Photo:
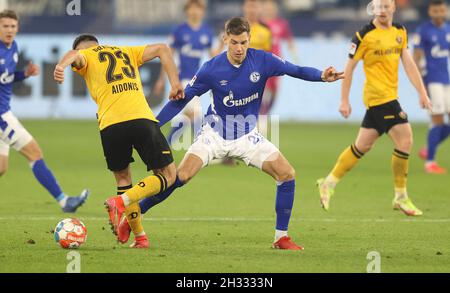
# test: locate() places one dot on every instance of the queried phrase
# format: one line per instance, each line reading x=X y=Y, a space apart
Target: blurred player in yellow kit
x=381 y=45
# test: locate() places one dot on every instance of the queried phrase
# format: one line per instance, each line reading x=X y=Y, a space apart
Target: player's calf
x=169 y=172
x=3 y=165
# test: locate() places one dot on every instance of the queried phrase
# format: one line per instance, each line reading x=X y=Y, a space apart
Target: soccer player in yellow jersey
x=261 y=36
x=126 y=121
x=381 y=45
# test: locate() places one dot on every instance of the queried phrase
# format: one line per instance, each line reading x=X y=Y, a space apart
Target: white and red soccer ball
x=70 y=233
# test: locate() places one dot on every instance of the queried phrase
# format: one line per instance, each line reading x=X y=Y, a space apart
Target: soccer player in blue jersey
x=12 y=133
x=189 y=41
x=431 y=52
x=237 y=79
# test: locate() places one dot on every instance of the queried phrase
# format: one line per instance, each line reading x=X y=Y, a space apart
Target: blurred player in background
x=281 y=31
x=431 y=50
x=380 y=44
x=189 y=41
x=237 y=79
x=261 y=36
x=12 y=133
x=126 y=121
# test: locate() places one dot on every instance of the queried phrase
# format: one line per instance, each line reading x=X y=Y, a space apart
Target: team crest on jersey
x=16 y=57
x=223 y=82
x=353 y=48
x=186 y=38
x=2 y=61
x=399 y=40
x=255 y=77
x=204 y=39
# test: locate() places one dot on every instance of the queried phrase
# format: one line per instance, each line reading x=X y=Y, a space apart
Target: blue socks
x=284 y=203
x=445 y=132
x=46 y=178
x=436 y=135
x=151 y=201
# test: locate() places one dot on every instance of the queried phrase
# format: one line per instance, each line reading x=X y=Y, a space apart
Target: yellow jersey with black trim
x=381 y=51
x=113 y=80
x=260 y=37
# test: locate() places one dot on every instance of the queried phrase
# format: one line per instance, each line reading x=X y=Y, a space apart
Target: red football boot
x=115 y=208
x=124 y=230
x=285 y=242
x=434 y=168
x=140 y=242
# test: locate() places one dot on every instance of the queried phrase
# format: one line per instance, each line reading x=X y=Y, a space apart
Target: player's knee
x=33 y=152
x=364 y=147
x=287 y=175
x=3 y=171
x=405 y=145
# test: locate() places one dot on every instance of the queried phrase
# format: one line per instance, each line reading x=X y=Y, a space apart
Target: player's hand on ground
x=176 y=92
x=58 y=75
x=330 y=75
x=345 y=109
x=425 y=103
x=32 y=69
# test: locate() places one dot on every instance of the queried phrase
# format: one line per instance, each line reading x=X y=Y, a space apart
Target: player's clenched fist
x=58 y=75
x=345 y=109
x=176 y=92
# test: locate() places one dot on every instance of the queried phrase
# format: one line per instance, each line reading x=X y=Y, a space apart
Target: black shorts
x=383 y=117
x=144 y=136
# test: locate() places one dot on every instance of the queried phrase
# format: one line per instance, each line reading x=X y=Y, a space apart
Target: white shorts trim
x=12 y=134
x=253 y=148
x=440 y=98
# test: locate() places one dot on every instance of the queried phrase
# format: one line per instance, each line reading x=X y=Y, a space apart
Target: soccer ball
x=70 y=233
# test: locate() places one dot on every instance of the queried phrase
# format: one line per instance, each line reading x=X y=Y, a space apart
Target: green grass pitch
x=223 y=220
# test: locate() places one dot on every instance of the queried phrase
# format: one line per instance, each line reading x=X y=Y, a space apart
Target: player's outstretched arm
x=345 y=108
x=416 y=80
x=276 y=66
x=74 y=58
x=164 y=53
x=31 y=70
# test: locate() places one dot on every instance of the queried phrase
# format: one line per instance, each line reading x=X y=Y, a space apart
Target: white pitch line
x=237 y=219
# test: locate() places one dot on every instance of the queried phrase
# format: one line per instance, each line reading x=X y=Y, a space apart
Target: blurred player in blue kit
x=431 y=52
x=12 y=132
x=189 y=41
